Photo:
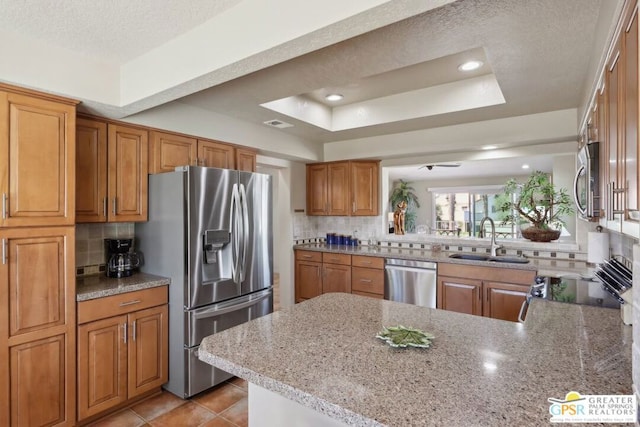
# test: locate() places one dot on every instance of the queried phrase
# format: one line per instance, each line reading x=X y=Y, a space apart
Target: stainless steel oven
x=586 y=186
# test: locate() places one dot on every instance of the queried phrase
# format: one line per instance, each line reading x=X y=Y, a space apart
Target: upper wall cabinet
x=111 y=172
x=614 y=123
x=168 y=150
x=348 y=188
x=37 y=145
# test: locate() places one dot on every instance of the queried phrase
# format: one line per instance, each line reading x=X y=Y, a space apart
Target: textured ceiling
x=538 y=50
x=112 y=30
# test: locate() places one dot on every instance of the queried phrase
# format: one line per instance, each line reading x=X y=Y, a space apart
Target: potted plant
x=403 y=191
x=539 y=203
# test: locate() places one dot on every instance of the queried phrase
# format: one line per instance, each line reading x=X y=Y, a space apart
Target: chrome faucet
x=494 y=245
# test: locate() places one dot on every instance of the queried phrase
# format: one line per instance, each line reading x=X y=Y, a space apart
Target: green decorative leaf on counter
x=400 y=336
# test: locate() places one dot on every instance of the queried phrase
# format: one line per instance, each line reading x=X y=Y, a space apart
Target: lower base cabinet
x=483 y=291
x=122 y=349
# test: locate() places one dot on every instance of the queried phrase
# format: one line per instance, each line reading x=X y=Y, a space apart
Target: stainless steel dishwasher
x=411 y=282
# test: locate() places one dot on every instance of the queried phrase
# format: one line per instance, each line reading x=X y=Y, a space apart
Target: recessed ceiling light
x=333 y=97
x=489 y=147
x=470 y=66
x=525 y=166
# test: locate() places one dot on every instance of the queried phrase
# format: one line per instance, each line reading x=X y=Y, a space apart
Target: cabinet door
x=37 y=154
x=102 y=365
x=215 y=155
x=338 y=193
x=39 y=393
x=336 y=278
x=317 y=190
x=148 y=350
x=460 y=295
x=128 y=157
x=503 y=300
x=630 y=139
x=169 y=150
x=308 y=280
x=364 y=188
x=603 y=152
x=245 y=160
x=91 y=171
x=614 y=79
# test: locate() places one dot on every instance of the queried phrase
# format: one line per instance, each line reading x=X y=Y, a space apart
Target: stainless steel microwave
x=586 y=187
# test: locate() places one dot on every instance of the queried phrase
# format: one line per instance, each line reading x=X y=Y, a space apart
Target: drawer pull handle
x=366 y=262
x=307 y=256
x=366 y=280
x=124 y=304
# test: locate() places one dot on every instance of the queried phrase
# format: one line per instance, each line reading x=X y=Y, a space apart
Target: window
x=459 y=211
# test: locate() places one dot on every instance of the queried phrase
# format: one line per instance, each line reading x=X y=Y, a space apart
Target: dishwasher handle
x=412 y=269
x=424 y=265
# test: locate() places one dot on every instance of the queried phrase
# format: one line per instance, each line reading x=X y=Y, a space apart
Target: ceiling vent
x=278 y=124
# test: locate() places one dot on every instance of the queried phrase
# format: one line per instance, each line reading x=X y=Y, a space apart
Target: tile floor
x=223 y=406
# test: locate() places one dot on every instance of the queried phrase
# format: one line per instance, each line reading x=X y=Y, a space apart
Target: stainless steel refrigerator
x=210 y=231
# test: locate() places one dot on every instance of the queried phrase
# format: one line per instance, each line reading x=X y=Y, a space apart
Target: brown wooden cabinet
x=367 y=276
x=245 y=159
x=112 y=167
x=37 y=335
x=348 y=188
x=167 y=151
x=487 y=291
x=460 y=295
x=504 y=300
x=216 y=155
x=321 y=272
x=122 y=349
x=91 y=170
x=37 y=154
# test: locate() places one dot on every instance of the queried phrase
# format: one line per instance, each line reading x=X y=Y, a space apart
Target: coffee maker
x=121 y=260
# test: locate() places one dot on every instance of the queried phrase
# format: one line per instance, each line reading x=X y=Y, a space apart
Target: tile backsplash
x=90 y=241
x=308 y=227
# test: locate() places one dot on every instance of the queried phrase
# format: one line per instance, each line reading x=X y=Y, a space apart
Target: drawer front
x=367 y=280
x=101 y=308
x=309 y=256
x=367 y=294
x=331 y=258
x=367 y=262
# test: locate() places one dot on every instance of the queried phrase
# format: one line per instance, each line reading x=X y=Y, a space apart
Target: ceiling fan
x=440 y=165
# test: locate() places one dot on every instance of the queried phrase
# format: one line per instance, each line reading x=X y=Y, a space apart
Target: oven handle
x=214 y=312
x=525 y=304
x=576 y=197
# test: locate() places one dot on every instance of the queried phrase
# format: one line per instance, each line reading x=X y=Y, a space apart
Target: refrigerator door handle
x=233 y=228
x=213 y=312
x=245 y=231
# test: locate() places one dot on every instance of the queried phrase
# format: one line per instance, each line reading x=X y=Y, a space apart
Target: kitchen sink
x=480 y=257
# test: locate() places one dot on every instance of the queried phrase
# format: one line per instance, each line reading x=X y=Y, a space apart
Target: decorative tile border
x=90 y=270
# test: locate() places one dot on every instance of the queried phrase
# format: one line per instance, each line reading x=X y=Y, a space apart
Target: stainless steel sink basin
x=473 y=257
x=480 y=257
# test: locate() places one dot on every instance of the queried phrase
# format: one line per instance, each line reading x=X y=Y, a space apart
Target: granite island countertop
x=98 y=286
x=323 y=354
x=543 y=266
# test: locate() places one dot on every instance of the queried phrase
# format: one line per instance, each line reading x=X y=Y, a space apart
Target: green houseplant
x=404 y=191
x=538 y=203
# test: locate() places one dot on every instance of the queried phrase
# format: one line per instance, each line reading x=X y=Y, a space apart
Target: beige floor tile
x=238 y=413
x=126 y=418
x=218 y=422
x=221 y=397
x=240 y=383
x=187 y=415
x=157 y=405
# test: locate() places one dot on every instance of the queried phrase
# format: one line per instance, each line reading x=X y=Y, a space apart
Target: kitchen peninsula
x=320 y=359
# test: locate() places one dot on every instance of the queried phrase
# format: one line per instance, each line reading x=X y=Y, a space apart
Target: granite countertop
x=544 y=266
x=98 y=286
x=323 y=354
